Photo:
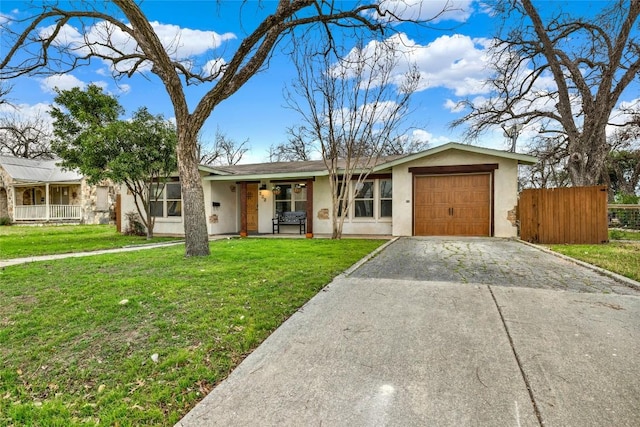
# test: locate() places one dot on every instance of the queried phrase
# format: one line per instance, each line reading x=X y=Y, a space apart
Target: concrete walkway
x=443 y=332
x=26 y=260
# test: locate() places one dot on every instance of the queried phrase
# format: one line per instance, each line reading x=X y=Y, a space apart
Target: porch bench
x=298 y=218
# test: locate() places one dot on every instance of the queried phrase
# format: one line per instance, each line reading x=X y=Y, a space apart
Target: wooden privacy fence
x=564 y=215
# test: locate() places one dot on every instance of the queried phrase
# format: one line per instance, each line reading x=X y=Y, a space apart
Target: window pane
x=173 y=191
x=385 y=189
x=156 y=190
x=284 y=206
x=366 y=192
x=342 y=205
x=385 y=208
x=363 y=208
x=285 y=192
x=174 y=208
x=300 y=194
x=156 y=209
x=301 y=206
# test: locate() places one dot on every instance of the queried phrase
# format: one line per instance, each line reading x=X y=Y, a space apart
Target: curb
x=366 y=258
x=615 y=276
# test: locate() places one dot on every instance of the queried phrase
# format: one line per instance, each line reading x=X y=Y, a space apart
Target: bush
x=134 y=225
x=5 y=220
x=616 y=234
x=626 y=199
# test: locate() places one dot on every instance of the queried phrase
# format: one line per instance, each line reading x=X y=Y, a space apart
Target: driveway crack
x=536 y=410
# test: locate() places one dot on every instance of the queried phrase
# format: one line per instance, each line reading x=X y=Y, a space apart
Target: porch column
x=309 y=209
x=46 y=201
x=243 y=209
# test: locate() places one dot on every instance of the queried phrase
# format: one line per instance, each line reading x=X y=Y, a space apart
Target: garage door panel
x=452 y=205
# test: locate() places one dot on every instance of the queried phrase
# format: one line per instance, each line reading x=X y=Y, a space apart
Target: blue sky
x=451 y=59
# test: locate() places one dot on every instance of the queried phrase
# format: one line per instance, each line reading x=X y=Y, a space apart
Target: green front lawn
x=25 y=241
x=620 y=257
x=79 y=337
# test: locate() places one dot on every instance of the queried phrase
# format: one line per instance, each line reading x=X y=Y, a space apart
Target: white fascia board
x=209 y=169
x=267 y=176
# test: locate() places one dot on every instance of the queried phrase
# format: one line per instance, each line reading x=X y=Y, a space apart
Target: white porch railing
x=39 y=212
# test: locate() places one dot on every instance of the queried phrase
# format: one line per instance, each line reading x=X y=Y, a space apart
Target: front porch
x=48 y=202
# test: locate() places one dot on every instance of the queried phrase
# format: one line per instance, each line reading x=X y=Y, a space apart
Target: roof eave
x=268 y=176
x=209 y=169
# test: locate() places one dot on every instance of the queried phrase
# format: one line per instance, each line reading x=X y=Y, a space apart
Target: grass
x=77 y=335
x=618 y=234
x=23 y=241
x=620 y=257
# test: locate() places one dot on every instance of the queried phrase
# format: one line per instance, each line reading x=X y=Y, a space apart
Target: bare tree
x=5 y=90
x=405 y=145
x=354 y=109
x=297 y=148
x=590 y=62
x=224 y=151
x=551 y=168
x=623 y=161
x=125 y=20
x=28 y=137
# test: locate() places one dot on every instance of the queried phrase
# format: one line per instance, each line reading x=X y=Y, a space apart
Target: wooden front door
x=252 y=207
x=452 y=205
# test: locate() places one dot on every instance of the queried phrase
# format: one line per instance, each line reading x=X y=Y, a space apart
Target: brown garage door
x=452 y=205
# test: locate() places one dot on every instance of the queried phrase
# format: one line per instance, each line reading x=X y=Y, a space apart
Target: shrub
x=626 y=199
x=5 y=220
x=616 y=234
x=134 y=225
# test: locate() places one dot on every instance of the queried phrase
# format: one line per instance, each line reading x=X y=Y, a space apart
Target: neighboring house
x=453 y=189
x=39 y=191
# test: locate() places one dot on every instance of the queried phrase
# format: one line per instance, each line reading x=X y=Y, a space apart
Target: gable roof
x=31 y=170
x=523 y=159
x=276 y=170
x=303 y=169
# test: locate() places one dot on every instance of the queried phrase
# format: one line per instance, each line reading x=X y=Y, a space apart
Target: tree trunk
x=193 y=212
x=588 y=156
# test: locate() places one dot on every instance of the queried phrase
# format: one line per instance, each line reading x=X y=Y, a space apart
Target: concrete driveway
x=446 y=332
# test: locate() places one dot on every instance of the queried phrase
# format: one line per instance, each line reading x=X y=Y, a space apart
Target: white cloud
x=213 y=67
x=182 y=44
x=434 y=11
x=458 y=62
x=455 y=62
x=124 y=88
x=421 y=135
x=25 y=113
x=622 y=113
x=62 y=82
x=452 y=106
x=25 y=110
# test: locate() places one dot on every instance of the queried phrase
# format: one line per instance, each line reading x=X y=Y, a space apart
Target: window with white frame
x=290 y=197
x=386 y=201
x=363 y=200
x=169 y=200
x=372 y=199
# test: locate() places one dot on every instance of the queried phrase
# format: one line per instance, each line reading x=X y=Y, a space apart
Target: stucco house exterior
x=452 y=189
x=39 y=191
